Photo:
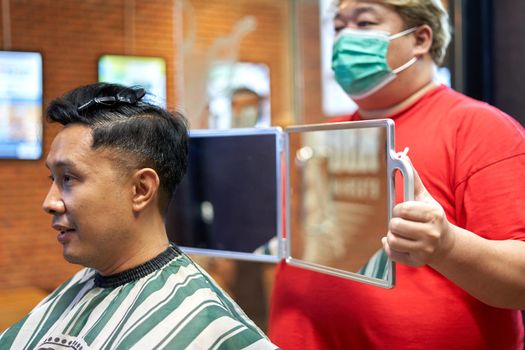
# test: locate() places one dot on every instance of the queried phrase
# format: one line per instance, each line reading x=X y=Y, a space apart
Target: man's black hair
x=121 y=120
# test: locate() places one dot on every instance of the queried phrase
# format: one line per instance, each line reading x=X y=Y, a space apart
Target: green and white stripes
x=176 y=307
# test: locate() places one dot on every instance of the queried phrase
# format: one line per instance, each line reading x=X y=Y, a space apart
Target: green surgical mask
x=359 y=61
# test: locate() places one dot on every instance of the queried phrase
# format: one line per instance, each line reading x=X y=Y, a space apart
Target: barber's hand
x=419 y=232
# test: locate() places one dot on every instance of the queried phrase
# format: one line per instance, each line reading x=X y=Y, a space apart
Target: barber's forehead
x=362 y=3
x=353 y=6
x=351 y=9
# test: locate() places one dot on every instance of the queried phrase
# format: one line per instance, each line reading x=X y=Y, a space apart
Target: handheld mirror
x=319 y=196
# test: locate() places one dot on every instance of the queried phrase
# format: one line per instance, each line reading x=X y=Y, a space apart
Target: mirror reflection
x=339 y=199
x=228 y=200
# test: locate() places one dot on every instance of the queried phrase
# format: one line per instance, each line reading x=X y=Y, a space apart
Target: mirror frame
x=394 y=163
x=279 y=149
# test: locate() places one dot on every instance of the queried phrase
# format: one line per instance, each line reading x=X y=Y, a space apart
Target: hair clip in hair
x=129 y=96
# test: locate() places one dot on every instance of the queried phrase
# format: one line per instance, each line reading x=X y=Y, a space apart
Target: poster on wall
x=148 y=72
x=20 y=105
x=239 y=95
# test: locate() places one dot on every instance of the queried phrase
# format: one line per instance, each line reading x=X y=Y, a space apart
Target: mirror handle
x=406 y=170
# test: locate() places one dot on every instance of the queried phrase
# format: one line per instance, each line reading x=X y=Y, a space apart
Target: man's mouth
x=65 y=235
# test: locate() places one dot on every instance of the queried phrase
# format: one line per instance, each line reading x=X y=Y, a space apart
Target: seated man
x=114 y=166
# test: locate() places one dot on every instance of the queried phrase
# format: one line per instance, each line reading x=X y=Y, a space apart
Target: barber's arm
x=490 y=270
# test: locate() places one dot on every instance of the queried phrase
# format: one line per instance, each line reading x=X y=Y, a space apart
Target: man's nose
x=53 y=203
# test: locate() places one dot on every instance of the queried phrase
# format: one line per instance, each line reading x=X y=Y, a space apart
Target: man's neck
x=138 y=257
x=388 y=112
x=147 y=240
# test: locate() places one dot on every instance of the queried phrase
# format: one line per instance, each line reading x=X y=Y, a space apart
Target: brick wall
x=71 y=35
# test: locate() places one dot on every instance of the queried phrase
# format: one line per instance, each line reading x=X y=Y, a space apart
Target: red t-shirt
x=471 y=157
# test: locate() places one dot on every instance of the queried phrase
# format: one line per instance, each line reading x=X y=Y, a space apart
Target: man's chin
x=72 y=258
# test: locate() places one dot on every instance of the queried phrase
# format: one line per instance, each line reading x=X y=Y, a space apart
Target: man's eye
x=67 y=178
x=52 y=178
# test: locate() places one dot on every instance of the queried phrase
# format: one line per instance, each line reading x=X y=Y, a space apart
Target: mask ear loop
x=374 y=90
x=403 y=33
x=411 y=61
x=404 y=66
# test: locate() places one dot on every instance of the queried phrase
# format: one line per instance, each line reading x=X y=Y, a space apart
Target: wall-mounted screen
x=20 y=105
x=148 y=72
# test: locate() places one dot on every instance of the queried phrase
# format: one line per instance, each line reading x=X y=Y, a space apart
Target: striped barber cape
x=167 y=303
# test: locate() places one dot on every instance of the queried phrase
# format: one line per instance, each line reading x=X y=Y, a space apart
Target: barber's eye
x=51 y=178
x=363 y=24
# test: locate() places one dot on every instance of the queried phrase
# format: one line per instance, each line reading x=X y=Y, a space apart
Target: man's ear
x=424 y=37
x=146 y=184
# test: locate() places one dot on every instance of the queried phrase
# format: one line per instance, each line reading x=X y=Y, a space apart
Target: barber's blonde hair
x=430 y=12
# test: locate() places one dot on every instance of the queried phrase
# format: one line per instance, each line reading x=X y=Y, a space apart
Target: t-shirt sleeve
x=490 y=175
x=493 y=200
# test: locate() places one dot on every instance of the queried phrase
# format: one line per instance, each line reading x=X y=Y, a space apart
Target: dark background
x=493 y=52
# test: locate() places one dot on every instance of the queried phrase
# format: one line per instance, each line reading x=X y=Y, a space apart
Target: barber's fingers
x=419 y=211
x=395 y=255
x=404 y=251
x=416 y=243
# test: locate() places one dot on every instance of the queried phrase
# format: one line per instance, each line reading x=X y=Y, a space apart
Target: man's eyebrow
x=60 y=164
